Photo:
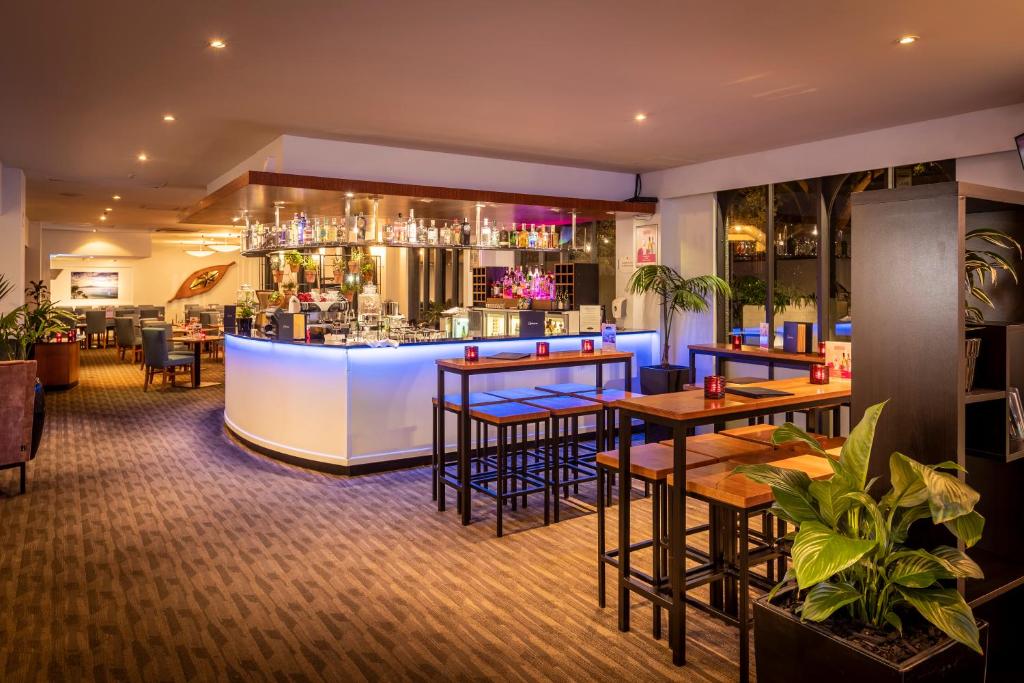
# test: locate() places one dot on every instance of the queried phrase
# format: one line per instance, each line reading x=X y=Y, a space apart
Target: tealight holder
x=819 y=373
x=60 y=337
x=472 y=353
x=587 y=345
x=821 y=349
x=737 y=341
x=714 y=386
x=543 y=349
x=73 y=334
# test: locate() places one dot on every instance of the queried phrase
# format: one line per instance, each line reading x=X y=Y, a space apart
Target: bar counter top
x=434 y=342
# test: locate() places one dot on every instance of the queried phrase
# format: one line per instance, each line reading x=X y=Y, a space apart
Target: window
x=745 y=265
x=795 y=209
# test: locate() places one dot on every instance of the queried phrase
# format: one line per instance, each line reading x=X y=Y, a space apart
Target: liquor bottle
x=485 y=234
x=361 y=227
x=432 y=233
x=421 y=231
x=467 y=232
x=532 y=238
x=503 y=236
x=411 y=235
x=307 y=229
x=523 y=237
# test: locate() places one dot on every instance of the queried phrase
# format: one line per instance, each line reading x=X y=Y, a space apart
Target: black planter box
x=661 y=379
x=788 y=650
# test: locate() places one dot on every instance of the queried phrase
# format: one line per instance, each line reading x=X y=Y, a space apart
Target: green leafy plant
x=309 y=262
x=676 y=294
x=246 y=309
x=982 y=266
x=32 y=322
x=849 y=551
x=293 y=259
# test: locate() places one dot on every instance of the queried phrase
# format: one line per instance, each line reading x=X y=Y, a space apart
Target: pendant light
x=225 y=246
x=202 y=251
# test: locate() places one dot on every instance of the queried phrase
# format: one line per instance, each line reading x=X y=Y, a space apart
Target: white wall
x=269 y=158
x=1001 y=169
x=13 y=231
x=63 y=240
x=954 y=137
x=155 y=279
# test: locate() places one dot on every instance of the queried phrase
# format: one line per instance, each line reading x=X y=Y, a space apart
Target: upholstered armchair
x=17 y=397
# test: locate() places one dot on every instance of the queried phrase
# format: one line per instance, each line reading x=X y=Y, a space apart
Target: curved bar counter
x=353 y=409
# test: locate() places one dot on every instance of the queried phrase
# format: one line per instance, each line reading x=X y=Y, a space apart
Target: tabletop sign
x=608 y=336
x=229 y=318
x=590 y=318
x=762 y=339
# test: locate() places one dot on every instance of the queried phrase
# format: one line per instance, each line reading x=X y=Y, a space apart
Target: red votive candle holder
x=737 y=341
x=587 y=345
x=472 y=353
x=60 y=337
x=821 y=349
x=714 y=386
x=73 y=334
x=819 y=373
x=543 y=349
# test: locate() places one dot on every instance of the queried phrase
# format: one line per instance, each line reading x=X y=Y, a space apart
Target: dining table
x=196 y=343
x=681 y=412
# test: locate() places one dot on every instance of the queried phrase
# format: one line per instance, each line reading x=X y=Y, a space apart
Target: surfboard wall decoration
x=201 y=281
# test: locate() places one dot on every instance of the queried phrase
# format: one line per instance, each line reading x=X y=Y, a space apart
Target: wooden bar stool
x=566 y=388
x=606 y=397
x=438 y=456
x=732 y=500
x=511 y=465
x=652 y=464
x=760 y=433
x=563 y=439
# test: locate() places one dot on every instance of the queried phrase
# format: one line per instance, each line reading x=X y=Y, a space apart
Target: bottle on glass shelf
x=432 y=235
x=421 y=231
x=444 y=235
x=531 y=240
x=307 y=229
x=360 y=227
x=467 y=233
x=523 y=237
x=389 y=232
x=503 y=236
x=485 y=234
x=332 y=231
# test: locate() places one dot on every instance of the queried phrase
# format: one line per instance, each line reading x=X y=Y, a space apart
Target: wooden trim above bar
x=219 y=201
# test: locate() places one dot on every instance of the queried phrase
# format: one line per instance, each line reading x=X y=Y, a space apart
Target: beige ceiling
x=84 y=84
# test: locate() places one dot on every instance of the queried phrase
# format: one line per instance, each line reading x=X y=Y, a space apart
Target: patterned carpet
x=152 y=547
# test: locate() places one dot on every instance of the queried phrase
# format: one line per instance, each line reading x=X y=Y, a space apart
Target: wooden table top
x=197 y=340
x=691 y=406
x=756 y=353
x=716 y=482
x=556 y=359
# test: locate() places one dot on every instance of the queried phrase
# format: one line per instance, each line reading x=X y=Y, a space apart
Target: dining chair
x=17 y=402
x=96 y=324
x=156 y=357
x=124 y=329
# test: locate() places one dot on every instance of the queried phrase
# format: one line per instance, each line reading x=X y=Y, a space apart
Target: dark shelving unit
x=579 y=282
x=908 y=285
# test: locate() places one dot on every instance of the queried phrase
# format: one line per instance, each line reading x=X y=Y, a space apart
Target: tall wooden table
x=750 y=354
x=465 y=369
x=680 y=412
x=197 y=349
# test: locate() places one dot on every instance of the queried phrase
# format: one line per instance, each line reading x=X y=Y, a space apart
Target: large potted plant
x=676 y=294
x=861 y=602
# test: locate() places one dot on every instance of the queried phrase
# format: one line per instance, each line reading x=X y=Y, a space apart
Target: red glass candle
x=472 y=353
x=543 y=349
x=714 y=386
x=60 y=337
x=737 y=341
x=73 y=334
x=819 y=373
x=587 y=346
x=821 y=349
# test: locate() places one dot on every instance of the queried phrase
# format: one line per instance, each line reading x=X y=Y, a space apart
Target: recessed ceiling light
x=350 y=195
x=116 y=197
x=640 y=117
x=908 y=40
x=94 y=230
x=218 y=43
x=103 y=218
x=108 y=209
x=169 y=118
x=142 y=156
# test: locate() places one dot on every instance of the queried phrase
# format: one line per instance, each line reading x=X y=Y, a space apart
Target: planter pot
x=353 y=267
x=38 y=417
x=278 y=276
x=337 y=274
x=310 y=276
x=661 y=379
x=789 y=650
x=293 y=268
x=57 y=364
x=244 y=327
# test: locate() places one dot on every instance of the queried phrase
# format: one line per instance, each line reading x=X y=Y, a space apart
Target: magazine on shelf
x=1016 y=413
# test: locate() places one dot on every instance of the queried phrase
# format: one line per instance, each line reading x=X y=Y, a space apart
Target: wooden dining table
x=465 y=369
x=196 y=344
x=680 y=412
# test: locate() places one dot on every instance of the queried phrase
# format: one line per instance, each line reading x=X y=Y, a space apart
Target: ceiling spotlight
x=218 y=43
x=908 y=40
x=350 y=195
x=94 y=230
x=142 y=156
x=103 y=217
x=640 y=117
x=169 y=118
x=116 y=197
x=108 y=209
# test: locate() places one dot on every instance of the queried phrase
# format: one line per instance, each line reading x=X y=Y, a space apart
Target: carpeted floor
x=151 y=547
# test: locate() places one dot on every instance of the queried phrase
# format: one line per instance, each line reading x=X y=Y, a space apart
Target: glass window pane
x=925 y=173
x=837 y=191
x=745 y=263
x=796 y=254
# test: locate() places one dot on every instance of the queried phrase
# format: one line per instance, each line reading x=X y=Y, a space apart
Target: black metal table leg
x=677 y=543
x=464 y=446
x=629 y=374
x=744 y=599
x=693 y=368
x=441 y=447
x=625 y=481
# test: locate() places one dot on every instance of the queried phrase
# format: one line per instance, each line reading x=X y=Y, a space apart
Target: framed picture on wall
x=100 y=285
x=645 y=241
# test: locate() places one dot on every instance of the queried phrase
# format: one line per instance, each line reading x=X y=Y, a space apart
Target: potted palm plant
x=861 y=602
x=676 y=294
x=245 y=313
